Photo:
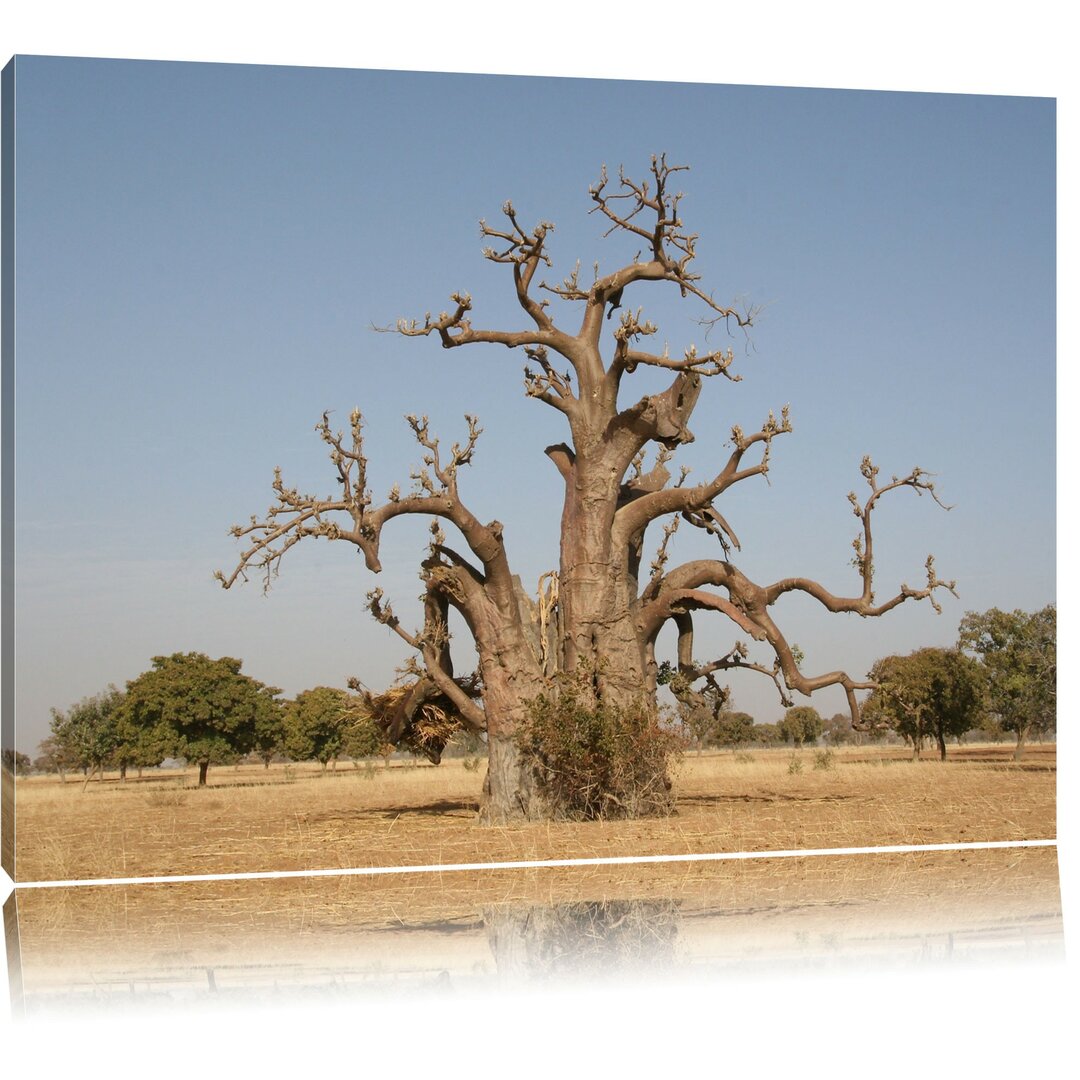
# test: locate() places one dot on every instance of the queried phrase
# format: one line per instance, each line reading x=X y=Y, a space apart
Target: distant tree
x=698 y=712
x=315 y=724
x=767 y=734
x=269 y=739
x=87 y=734
x=801 y=723
x=15 y=763
x=989 y=730
x=1018 y=652
x=698 y=723
x=733 y=728
x=931 y=693
x=838 y=730
x=200 y=709
x=55 y=756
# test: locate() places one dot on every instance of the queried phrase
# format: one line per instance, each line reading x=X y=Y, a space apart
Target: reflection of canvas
x=243 y=942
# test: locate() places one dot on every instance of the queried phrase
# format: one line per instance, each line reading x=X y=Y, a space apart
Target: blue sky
x=202 y=250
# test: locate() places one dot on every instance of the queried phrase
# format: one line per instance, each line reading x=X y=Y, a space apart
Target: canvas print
x=426 y=470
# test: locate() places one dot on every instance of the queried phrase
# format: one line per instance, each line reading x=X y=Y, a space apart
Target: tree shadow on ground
x=441 y=806
x=764 y=797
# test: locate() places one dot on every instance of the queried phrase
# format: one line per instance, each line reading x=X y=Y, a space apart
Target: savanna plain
x=249 y=818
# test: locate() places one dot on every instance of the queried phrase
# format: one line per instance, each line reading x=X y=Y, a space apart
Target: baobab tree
x=596 y=617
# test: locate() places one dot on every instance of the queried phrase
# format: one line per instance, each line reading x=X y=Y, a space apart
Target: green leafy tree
x=767 y=734
x=801 y=724
x=200 y=709
x=1018 y=652
x=931 y=693
x=316 y=722
x=137 y=745
x=733 y=728
x=88 y=733
x=269 y=740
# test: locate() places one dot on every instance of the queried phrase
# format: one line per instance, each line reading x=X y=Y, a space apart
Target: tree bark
x=510 y=791
x=1021 y=738
x=203 y=766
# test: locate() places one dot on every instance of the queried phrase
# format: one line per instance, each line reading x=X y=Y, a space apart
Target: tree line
x=1000 y=677
x=206 y=712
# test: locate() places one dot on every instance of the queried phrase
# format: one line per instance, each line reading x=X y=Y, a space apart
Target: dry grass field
x=250 y=819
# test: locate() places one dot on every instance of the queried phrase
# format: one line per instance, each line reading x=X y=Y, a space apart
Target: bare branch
x=571 y=288
x=696 y=502
x=547 y=384
x=650 y=211
x=863 y=561
x=524 y=252
x=295 y=516
x=384 y=614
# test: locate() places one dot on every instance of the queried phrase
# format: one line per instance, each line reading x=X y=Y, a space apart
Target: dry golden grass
x=250 y=819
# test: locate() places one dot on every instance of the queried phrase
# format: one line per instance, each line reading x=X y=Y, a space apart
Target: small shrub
x=166 y=797
x=743 y=758
x=823 y=759
x=794 y=765
x=593 y=761
x=471 y=763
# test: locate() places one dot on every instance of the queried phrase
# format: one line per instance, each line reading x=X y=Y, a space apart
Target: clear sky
x=202 y=250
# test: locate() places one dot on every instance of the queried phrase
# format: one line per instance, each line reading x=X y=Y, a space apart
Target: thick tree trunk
x=123 y=773
x=512 y=660
x=510 y=790
x=203 y=766
x=941 y=744
x=597 y=633
x=595 y=587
